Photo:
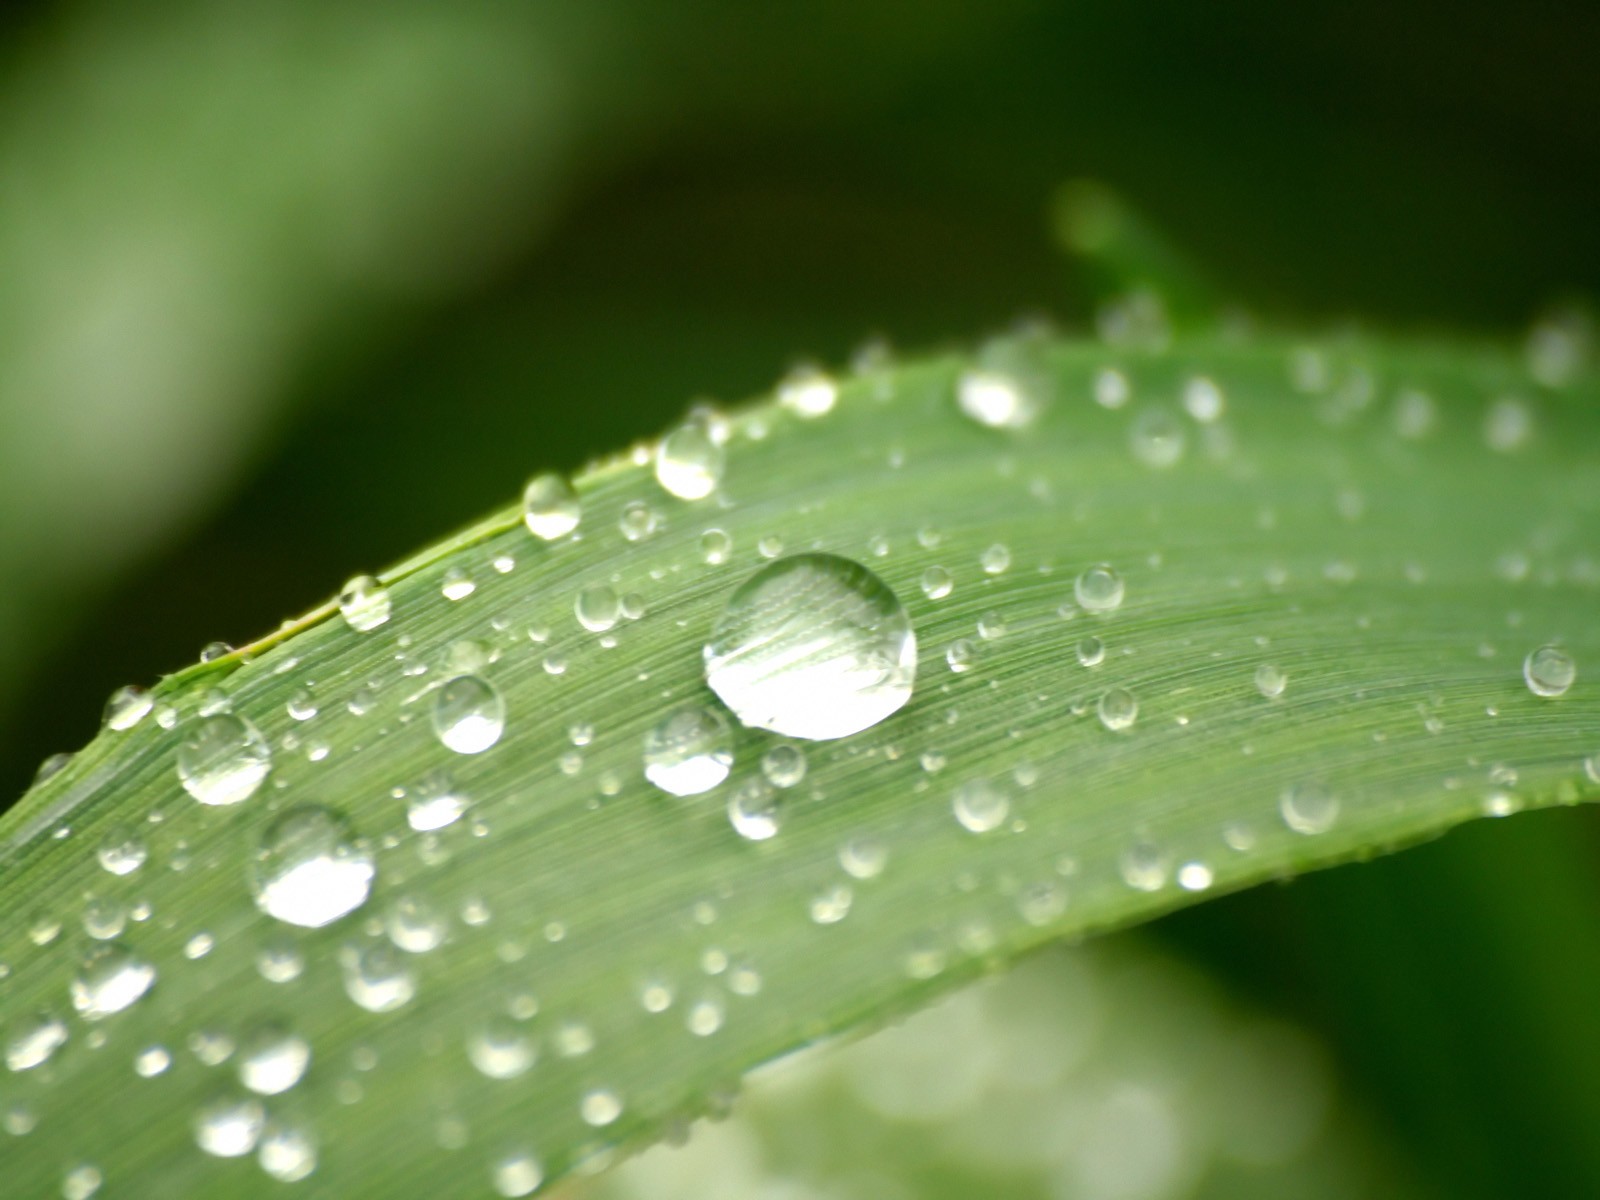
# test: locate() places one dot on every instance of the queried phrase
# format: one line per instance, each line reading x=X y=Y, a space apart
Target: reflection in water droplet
x=1309 y=807
x=109 y=979
x=689 y=752
x=310 y=869
x=223 y=759
x=1549 y=671
x=469 y=714
x=1099 y=589
x=812 y=646
x=272 y=1060
x=689 y=462
x=364 y=604
x=550 y=508
x=127 y=707
x=980 y=806
x=1119 y=709
x=229 y=1127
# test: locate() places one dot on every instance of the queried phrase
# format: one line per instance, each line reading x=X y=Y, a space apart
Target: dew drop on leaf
x=310 y=869
x=364 y=604
x=108 y=980
x=126 y=707
x=1099 y=589
x=689 y=462
x=223 y=759
x=469 y=714
x=550 y=508
x=812 y=646
x=1549 y=671
x=229 y=1127
x=1309 y=807
x=1119 y=709
x=690 y=751
x=273 y=1059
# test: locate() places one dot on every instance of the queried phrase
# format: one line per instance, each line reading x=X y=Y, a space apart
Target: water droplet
x=273 y=1059
x=832 y=905
x=936 y=583
x=715 y=546
x=600 y=1107
x=1144 y=867
x=960 y=656
x=704 y=1017
x=1111 y=388
x=126 y=707
x=996 y=559
x=456 y=584
x=755 y=811
x=500 y=1050
x=638 y=521
x=279 y=962
x=121 y=853
x=109 y=979
x=1549 y=671
x=212 y=651
x=287 y=1153
x=784 y=765
x=364 y=604
x=812 y=646
x=597 y=607
x=1270 y=681
x=81 y=1182
x=435 y=803
x=302 y=705
x=152 y=1061
x=310 y=869
x=550 y=508
x=1309 y=807
x=689 y=752
x=415 y=925
x=229 y=1127
x=376 y=978
x=1119 y=709
x=1042 y=902
x=469 y=714
x=1091 y=651
x=863 y=857
x=808 y=392
x=223 y=759
x=1009 y=385
x=980 y=805
x=689 y=462
x=1157 y=438
x=34 y=1040
x=1202 y=400
x=1508 y=425
x=1099 y=589
x=1194 y=877
x=517 y=1174
x=1415 y=414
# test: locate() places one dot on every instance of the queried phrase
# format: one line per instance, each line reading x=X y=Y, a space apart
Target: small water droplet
x=996 y=559
x=34 y=1040
x=1144 y=867
x=1157 y=439
x=600 y=1107
x=550 y=508
x=517 y=1174
x=812 y=646
x=223 y=760
x=1507 y=425
x=1009 y=385
x=1099 y=589
x=597 y=607
x=456 y=584
x=415 y=925
x=287 y=1153
x=690 y=751
x=273 y=1059
x=1309 y=807
x=310 y=869
x=81 y=1182
x=126 y=707
x=212 y=651
x=229 y=1127
x=689 y=462
x=808 y=392
x=1119 y=709
x=469 y=714
x=109 y=979
x=832 y=905
x=1270 y=681
x=863 y=857
x=365 y=604
x=121 y=853
x=936 y=583
x=1111 y=388
x=980 y=805
x=755 y=811
x=500 y=1050
x=638 y=521
x=1202 y=400
x=1091 y=651
x=784 y=765
x=715 y=546
x=1549 y=671
x=152 y=1061
x=376 y=978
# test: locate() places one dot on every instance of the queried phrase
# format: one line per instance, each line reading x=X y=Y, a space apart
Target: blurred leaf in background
x=287 y=290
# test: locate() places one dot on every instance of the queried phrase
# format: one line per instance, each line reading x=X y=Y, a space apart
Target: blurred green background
x=287 y=290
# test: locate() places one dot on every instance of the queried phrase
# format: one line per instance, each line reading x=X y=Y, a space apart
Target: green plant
x=1332 y=567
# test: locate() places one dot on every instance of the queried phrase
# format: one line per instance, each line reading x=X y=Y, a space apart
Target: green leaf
x=1335 y=560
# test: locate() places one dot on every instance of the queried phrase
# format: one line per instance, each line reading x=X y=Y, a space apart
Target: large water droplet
x=273 y=1059
x=310 y=869
x=812 y=646
x=689 y=752
x=223 y=760
x=364 y=604
x=109 y=979
x=550 y=508
x=689 y=462
x=469 y=714
x=1549 y=671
